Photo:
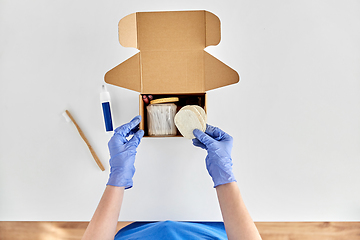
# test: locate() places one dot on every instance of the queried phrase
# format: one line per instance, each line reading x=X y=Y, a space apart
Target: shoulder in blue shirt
x=172 y=230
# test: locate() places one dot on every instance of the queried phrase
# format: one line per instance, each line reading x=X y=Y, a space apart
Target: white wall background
x=295 y=115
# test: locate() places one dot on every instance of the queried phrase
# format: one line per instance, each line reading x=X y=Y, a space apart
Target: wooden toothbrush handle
x=97 y=160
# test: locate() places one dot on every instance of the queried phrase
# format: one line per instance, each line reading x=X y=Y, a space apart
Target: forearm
x=237 y=220
x=103 y=223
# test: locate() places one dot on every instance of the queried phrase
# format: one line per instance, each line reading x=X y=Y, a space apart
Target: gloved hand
x=122 y=153
x=218 y=161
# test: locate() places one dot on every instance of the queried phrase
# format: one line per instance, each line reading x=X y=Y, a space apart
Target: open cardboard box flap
x=171 y=57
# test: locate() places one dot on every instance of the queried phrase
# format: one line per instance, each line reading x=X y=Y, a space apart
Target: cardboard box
x=171 y=60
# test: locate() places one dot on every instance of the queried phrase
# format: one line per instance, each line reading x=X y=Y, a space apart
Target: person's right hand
x=218 y=161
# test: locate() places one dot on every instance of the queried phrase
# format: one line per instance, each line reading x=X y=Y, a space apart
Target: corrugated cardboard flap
x=172 y=57
x=126 y=74
x=218 y=74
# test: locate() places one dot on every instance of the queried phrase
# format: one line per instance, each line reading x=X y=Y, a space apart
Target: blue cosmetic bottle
x=105 y=102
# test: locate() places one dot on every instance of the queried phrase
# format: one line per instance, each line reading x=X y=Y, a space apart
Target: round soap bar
x=189 y=118
x=197 y=109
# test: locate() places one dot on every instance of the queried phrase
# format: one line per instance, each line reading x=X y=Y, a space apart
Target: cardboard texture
x=171 y=58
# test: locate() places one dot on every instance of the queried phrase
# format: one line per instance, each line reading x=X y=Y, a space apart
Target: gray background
x=294 y=115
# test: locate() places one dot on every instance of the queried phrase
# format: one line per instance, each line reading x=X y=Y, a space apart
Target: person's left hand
x=122 y=153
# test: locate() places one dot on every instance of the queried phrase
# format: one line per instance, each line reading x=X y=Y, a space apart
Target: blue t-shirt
x=172 y=230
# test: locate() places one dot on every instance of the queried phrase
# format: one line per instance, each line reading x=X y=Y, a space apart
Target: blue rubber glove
x=122 y=153
x=218 y=161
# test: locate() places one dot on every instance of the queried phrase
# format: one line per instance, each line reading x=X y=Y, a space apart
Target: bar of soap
x=188 y=118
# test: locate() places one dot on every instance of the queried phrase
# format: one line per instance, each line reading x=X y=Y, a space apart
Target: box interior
x=184 y=99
